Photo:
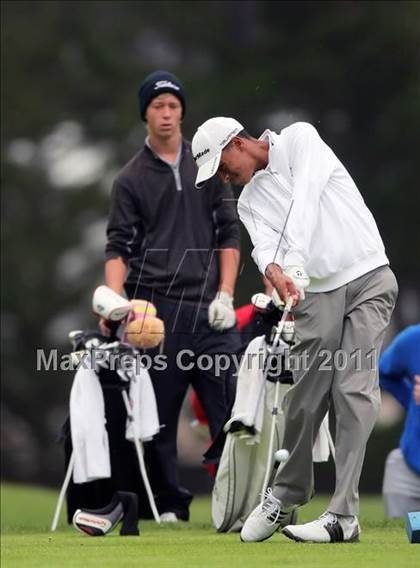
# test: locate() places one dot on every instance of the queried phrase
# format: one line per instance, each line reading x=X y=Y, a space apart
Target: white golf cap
x=208 y=142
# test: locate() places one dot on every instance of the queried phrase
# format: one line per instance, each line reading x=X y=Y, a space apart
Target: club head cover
x=144 y=330
x=260 y=301
x=110 y=305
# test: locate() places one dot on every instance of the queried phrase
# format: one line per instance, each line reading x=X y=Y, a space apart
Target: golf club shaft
x=276 y=340
x=139 y=450
x=269 y=465
x=63 y=492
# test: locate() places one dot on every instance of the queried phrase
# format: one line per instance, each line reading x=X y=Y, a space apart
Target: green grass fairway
x=26 y=541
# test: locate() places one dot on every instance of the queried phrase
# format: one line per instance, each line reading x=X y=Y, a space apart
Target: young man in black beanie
x=178 y=248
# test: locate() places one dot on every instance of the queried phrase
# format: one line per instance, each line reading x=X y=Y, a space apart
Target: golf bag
x=243 y=464
x=126 y=454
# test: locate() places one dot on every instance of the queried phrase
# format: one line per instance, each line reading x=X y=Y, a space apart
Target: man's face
x=164 y=115
x=236 y=165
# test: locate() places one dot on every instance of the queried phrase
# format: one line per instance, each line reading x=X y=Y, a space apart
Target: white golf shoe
x=168 y=517
x=266 y=519
x=327 y=528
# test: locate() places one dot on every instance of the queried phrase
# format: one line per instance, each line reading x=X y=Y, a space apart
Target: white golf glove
x=221 y=313
x=300 y=279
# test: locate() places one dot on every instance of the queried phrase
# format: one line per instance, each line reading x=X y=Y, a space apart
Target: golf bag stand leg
x=139 y=450
x=63 y=492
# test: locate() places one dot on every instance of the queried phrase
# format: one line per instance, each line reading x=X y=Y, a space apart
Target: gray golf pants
x=338 y=339
x=401 y=487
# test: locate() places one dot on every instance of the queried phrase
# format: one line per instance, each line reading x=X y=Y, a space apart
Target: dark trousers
x=186 y=328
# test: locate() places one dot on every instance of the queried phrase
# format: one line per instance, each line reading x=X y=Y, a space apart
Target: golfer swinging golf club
x=331 y=260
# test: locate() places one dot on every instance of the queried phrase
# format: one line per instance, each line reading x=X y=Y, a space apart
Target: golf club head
x=93 y=523
x=75 y=337
x=288 y=332
x=99 y=522
x=96 y=525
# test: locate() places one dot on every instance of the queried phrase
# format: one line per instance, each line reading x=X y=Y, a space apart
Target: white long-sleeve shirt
x=329 y=231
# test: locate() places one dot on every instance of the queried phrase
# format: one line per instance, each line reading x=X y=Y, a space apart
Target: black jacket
x=169 y=237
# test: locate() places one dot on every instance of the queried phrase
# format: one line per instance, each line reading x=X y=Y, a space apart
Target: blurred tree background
x=70 y=74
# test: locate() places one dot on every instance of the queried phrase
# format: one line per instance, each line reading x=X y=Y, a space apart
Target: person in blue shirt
x=399 y=374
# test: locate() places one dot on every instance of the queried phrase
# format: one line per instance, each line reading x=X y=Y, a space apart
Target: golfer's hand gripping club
x=283 y=285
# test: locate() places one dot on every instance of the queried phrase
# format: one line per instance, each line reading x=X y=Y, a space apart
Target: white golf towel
x=321 y=449
x=248 y=408
x=88 y=433
x=145 y=415
x=87 y=420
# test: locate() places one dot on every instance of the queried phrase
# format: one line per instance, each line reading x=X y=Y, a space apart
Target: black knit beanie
x=157 y=83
